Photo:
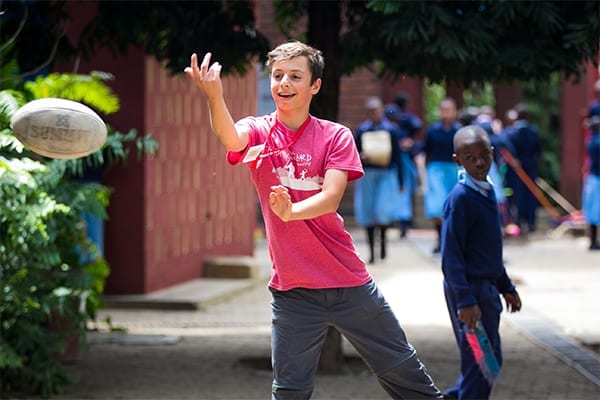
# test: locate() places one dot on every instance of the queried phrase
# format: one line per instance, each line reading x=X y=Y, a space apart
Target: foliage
x=173 y=30
x=458 y=41
x=168 y=30
x=49 y=268
x=543 y=102
x=47 y=263
x=433 y=94
x=476 y=41
x=479 y=95
x=33 y=35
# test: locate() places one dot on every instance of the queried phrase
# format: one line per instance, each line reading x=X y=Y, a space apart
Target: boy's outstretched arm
x=208 y=79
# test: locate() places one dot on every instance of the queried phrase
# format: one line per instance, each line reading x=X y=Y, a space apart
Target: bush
x=42 y=243
x=49 y=269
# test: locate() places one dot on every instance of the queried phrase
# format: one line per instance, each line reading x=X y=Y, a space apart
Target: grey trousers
x=300 y=320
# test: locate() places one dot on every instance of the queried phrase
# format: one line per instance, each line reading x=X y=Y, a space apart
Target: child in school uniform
x=440 y=169
x=376 y=193
x=474 y=273
x=591 y=186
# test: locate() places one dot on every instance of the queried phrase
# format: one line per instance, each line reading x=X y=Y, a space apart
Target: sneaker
x=436 y=249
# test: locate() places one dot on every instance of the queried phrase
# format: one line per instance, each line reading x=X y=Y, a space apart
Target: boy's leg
x=364 y=317
x=471 y=383
x=299 y=328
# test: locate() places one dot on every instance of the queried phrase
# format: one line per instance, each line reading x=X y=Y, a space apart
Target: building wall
x=123 y=233
x=197 y=205
x=168 y=213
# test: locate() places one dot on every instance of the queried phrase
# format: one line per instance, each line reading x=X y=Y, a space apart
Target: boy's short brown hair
x=293 y=49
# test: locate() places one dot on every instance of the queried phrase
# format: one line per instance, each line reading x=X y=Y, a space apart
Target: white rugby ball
x=59 y=128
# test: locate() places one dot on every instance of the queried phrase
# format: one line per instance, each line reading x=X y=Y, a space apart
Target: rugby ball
x=59 y=128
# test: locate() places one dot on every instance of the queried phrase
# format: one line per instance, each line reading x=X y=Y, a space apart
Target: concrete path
x=215 y=344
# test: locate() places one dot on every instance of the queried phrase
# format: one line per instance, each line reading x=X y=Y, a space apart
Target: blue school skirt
x=591 y=199
x=403 y=210
x=375 y=196
x=441 y=178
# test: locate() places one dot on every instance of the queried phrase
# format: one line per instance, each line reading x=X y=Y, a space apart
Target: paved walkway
x=210 y=338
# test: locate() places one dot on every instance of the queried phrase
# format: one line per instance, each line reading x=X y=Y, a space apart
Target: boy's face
x=290 y=84
x=448 y=111
x=475 y=155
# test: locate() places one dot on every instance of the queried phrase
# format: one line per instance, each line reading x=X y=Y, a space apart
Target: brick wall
x=196 y=205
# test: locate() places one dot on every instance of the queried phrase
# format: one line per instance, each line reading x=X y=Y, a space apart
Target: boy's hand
x=281 y=202
x=469 y=315
x=207 y=79
x=513 y=302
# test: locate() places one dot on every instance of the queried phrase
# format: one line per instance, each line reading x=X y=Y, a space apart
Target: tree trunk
x=324 y=23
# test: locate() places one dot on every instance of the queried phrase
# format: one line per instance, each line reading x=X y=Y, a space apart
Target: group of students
x=385 y=195
x=300 y=166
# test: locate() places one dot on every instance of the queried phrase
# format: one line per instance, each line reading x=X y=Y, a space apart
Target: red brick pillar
x=507 y=96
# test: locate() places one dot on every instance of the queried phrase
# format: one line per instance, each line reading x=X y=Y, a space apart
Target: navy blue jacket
x=439 y=144
x=593 y=149
x=525 y=140
x=471 y=245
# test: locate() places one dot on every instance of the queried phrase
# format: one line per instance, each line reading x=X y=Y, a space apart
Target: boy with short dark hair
x=300 y=166
x=474 y=273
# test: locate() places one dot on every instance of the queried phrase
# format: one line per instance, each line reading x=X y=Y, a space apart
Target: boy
x=474 y=274
x=300 y=166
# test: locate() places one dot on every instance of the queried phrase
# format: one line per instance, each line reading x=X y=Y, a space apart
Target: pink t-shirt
x=315 y=253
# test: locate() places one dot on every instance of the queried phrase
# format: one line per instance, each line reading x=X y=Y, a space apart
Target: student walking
x=409 y=125
x=376 y=194
x=474 y=273
x=525 y=140
x=440 y=169
x=591 y=185
x=300 y=166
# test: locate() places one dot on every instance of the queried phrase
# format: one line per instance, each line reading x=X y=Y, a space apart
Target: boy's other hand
x=206 y=77
x=280 y=202
x=513 y=302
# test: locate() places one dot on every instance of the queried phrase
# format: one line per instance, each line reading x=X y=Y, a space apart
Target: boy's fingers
x=205 y=62
x=193 y=65
x=214 y=71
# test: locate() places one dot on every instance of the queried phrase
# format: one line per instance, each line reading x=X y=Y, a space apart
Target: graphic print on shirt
x=298 y=165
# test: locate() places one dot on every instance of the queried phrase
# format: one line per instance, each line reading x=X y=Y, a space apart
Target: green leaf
x=88 y=89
